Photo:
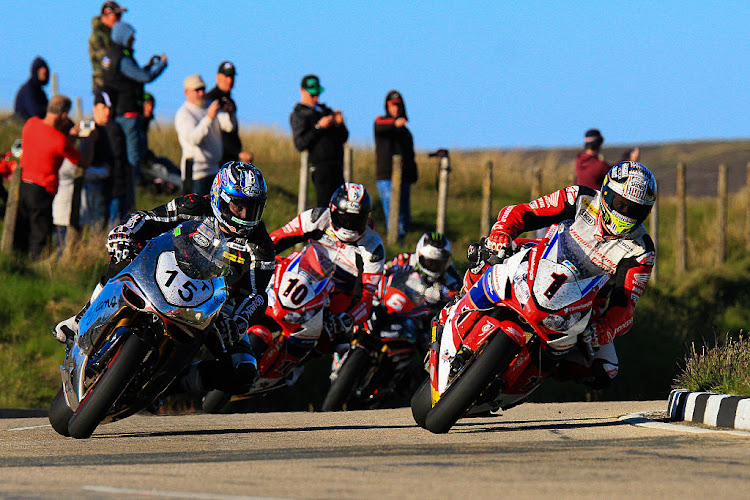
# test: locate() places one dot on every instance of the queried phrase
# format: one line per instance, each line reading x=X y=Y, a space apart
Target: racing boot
x=66 y=330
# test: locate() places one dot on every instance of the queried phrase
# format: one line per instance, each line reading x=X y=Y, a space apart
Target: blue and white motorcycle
x=143 y=328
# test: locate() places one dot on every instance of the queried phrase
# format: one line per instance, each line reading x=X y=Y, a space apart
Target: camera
x=86 y=126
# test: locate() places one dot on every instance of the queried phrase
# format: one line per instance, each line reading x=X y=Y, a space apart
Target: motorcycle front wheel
x=59 y=414
x=354 y=368
x=421 y=404
x=110 y=386
x=488 y=365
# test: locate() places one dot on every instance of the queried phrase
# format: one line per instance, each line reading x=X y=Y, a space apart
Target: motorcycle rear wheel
x=421 y=404
x=215 y=401
x=59 y=414
x=108 y=388
x=490 y=363
x=354 y=368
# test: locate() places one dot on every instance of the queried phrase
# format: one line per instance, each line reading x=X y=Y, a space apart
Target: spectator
x=320 y=130
x=94 y=201
x=45 y=145
x=117 y=184
x=392 y=137
x=101 y=38
x=122 y=73
x=199 y=132
x=590 y=165
x=230 y=141
x=158 y=172
x=31 y=100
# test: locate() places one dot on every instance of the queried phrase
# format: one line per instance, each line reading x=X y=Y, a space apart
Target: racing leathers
x=628 y=260
x=359 y=267
x=254 y=257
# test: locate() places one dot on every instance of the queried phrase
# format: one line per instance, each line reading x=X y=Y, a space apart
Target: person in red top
x=45 y=146
x=590 y=165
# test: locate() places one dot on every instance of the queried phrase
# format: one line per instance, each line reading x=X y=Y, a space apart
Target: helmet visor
x=246 y=212
x=433 y=265
x=621 y=215
x=353 y=222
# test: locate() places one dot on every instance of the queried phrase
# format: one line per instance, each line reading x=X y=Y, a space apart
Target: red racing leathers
x=629 y=260
x=359 y=265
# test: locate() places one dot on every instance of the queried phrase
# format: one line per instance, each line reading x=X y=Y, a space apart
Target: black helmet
x=351 y=207
x=243 y=185
x=433 y=254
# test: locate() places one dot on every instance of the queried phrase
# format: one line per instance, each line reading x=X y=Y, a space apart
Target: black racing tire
x=215 y=401
x=59 y=414
x=491 y=362
x=110 y=386
x=355 y=366
x=421 y=404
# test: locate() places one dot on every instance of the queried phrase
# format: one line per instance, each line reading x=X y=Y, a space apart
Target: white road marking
x=27 y=428
x=173 y=494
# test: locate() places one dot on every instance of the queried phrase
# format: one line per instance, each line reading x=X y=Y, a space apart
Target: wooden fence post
x=53 y=84
x=536 y=183
x=348 y=163
x=11 y=212
x=721 y=215
x=79 y=110
x=445 y=170
x=304 y=169
x=654 y=231
x=681 y=217
x=394 y=207
x=484 y=225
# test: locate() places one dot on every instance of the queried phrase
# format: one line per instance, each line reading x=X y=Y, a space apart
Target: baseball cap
x=193 y=82
x=227 y=68
x=113 y=7
x=102 y=96
x=311 y=83
x=394 y=96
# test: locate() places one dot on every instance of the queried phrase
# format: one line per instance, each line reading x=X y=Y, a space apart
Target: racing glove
x=338 y=324
x=120 y=243
x=235 y=324
x=500 y=240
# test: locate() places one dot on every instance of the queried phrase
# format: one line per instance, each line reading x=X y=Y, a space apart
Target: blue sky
x=473 y=74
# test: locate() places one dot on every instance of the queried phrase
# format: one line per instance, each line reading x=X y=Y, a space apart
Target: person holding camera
x=199 y=128
x=127 y=78
x=222 y=92
x=46 y=143
x=322 y=131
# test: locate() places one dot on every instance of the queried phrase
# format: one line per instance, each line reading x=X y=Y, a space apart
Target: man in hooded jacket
x=126 y=77
x=31 y=100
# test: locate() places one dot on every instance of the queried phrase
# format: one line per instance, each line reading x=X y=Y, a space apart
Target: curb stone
x=717 y=410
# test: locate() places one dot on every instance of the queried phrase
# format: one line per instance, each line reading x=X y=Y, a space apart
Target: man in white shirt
x=199 y=132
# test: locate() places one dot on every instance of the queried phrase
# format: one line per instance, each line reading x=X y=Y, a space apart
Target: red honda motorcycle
x=496 y=345
x=298 y=299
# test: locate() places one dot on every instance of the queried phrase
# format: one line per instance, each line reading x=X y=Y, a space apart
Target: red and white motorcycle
x=495 y=345
x=298 y=298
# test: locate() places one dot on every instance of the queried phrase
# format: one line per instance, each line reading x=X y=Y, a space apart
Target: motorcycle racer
x=432 y=259
x=607 y=226
x=235 y=207
x=357 y=250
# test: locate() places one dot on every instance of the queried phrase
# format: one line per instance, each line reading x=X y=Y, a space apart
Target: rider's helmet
x=433 y=254
x=238 y=197
x=628 y=193
x=350 y=207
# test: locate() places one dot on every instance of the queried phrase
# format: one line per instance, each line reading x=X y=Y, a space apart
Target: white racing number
x=295 y=290
x=179 y=289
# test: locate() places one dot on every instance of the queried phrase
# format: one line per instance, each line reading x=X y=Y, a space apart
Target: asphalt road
x=532 y=451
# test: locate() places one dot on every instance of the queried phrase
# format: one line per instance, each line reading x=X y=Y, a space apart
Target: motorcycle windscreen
x=202 y=251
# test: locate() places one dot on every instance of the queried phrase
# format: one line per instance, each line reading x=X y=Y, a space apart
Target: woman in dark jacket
x=392 y=137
